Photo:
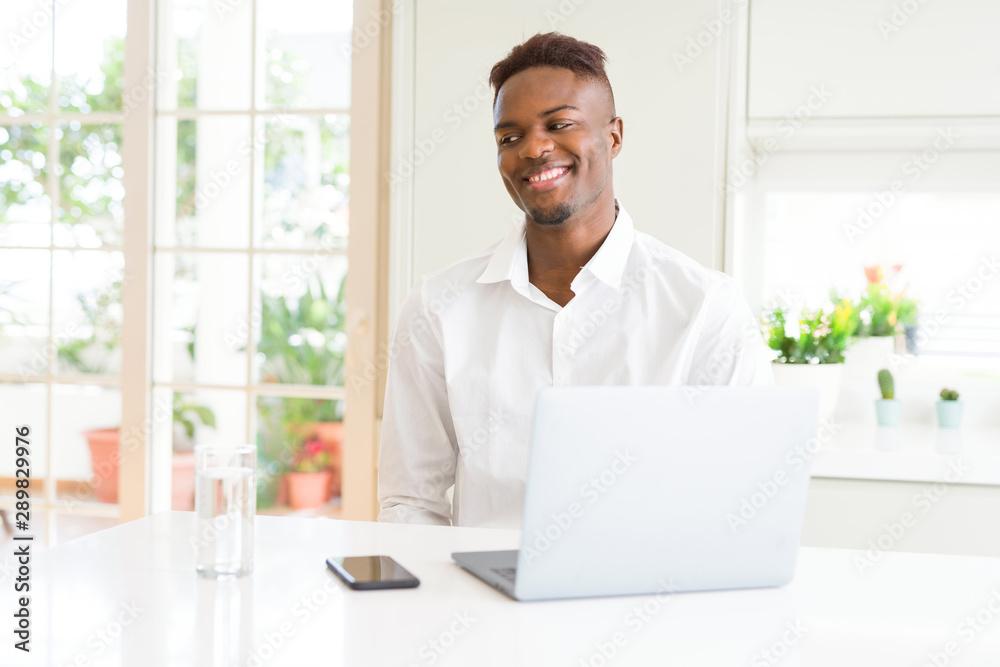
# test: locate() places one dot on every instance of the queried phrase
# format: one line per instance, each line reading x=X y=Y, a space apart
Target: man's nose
x=535 y=145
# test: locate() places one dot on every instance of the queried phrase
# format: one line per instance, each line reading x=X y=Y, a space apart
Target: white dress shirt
x=476 y=342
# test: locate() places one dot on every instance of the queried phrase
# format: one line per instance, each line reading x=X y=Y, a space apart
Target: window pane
x=305 y=62
x=306 y=181
x=24 y=405
x=814 y=243
x=201 y=321
x=86 y=446
x=301 y=306
x=203 y=189
x=90 y=212
x=204 y=52
x=24 y=312
x=284 y=426
x=935 y=247
x=25 y=206
x=200 y=417
x=25 y=57
x=87 y=310
x=90 y=55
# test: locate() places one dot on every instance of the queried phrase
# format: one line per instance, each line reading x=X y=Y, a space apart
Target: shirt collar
x=510 y=259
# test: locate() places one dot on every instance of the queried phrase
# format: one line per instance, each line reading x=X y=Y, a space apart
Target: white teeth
x=547 y=175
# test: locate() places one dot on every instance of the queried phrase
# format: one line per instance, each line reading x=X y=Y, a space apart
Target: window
x=812 y=221
x=251 y=228
x=250 y=203
x=61 y=259
x=943 y=243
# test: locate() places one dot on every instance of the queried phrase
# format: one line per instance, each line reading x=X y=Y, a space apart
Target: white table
x=129 y=597
x=911 y=453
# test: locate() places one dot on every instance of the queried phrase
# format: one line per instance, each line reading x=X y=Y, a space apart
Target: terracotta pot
x=307 y=490
x=182 y=481
x=282 y=497
x=104 y=457
x=331 y=434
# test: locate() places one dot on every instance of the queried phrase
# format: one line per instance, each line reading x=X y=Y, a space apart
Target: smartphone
x=363 y=573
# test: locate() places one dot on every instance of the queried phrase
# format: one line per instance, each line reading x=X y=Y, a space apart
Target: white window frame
x=144 y=469
x=365 y=287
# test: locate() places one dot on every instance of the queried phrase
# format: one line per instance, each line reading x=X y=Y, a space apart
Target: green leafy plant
x=94 y=352
x=880 y=311
x=818 y=336
x=949 y=395
x=303 y=341
x=907 y=311
x=90 y=170
x=886 y=384
x=186 y=412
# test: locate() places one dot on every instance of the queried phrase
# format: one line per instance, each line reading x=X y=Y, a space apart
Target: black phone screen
x=372 y=572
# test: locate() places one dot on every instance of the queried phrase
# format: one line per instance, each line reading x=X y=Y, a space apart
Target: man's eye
x=558 y=126
x=506 y=140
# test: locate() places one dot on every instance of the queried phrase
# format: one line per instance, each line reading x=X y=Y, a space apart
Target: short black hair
x=553 y=49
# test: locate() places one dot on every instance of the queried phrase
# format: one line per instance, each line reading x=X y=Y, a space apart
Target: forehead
x=538 y=89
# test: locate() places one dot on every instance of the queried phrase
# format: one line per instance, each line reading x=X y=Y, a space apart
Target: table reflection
x=224 y=621
x=887 y=439
x=948 y=441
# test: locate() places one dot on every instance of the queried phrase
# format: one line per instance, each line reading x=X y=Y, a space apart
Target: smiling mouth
x=548 y=175
x=549 y=179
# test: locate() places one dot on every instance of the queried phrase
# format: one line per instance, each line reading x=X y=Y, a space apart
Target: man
x=574 y=297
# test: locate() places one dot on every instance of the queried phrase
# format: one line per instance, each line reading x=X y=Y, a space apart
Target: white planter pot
x=867 y=356
x=826 y=377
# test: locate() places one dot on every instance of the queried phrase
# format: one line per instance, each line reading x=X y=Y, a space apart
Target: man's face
x=555 y=142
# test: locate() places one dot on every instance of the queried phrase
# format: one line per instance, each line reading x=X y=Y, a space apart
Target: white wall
x=877 y=58
x=667 y=171
x=895 y=71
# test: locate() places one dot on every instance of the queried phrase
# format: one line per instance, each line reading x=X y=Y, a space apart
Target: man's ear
x=617 y=130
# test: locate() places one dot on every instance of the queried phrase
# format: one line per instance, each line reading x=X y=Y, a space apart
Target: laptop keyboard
x=507 y=573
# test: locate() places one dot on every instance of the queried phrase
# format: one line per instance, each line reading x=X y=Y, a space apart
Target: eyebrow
x=510 y=123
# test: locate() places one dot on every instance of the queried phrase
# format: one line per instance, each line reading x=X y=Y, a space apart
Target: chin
x=551 y=216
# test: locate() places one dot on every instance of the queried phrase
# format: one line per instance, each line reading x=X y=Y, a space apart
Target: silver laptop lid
x=635 y=490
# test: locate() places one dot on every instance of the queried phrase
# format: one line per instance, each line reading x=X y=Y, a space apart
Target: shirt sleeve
x=418 y=451
x=730 y=348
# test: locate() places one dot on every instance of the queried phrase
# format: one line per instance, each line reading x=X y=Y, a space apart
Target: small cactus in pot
x=886 y=384
x=949 y=409
x=887 y=409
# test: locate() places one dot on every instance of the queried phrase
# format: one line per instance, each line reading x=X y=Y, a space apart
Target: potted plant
x=104 y=456
x=907 y=315
x=887 y=409
x=310 y=477
x=882 y=315
x=103 y=445
x=949 y=409
x=303 y=341
x=185 y=413
x=810 y=348
x=96 y=353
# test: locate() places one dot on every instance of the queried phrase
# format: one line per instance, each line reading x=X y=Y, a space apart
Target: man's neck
x=557 y=253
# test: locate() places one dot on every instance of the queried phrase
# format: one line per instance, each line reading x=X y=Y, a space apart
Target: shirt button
x=561 y=316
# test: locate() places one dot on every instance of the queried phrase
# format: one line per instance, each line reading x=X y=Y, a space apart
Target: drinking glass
x=225 y=503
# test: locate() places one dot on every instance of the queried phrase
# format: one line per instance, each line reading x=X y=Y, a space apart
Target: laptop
x=643 y=490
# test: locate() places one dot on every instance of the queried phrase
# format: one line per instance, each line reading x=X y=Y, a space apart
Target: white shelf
x=911 y=453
